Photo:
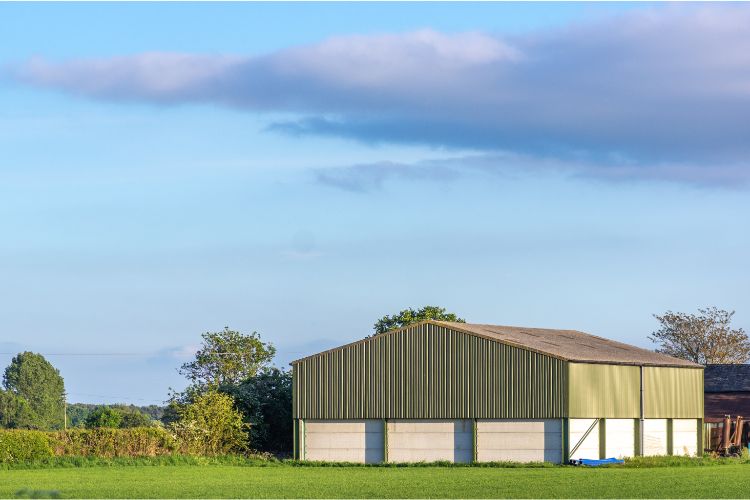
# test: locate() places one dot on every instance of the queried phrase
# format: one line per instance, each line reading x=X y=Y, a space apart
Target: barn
x=443 y=391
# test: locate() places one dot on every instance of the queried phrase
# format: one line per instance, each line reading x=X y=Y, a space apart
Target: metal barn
x=465 y=392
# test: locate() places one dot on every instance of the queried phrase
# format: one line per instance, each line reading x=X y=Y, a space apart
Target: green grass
x=284 y=481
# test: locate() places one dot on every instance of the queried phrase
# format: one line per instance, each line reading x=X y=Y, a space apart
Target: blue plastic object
x=595 y=463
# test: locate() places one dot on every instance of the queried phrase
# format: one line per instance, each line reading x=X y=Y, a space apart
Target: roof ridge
x=598 y=350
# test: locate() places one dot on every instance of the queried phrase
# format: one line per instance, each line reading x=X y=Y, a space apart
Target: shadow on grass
x=29 y=493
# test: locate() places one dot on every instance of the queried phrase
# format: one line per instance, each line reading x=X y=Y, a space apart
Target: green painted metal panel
x=673 y=392
x=670 y=436
x=603 y=391
x=295 y=439
x=429 y=371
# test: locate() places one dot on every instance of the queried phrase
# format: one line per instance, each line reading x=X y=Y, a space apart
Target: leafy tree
x=409 y=316
x=705 y=338
x=227 y=357
x=34 y=379
x=15 y=411
x=134 y=418
x=104 y=416
x=210 y=425
x=265 y=401
x=77 y=413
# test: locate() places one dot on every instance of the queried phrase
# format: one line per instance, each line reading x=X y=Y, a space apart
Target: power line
x=114 y=397
x=86 y=353
x=134 y=354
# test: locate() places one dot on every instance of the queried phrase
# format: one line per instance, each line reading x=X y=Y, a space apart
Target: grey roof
x=727 y=378
x=570 y=345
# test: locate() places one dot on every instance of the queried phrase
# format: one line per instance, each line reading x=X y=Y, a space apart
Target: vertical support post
x=637 y=451
x=474 y=441
x=565 y=440
x=670 y=437
x=301 y=427
x=641 y=423
x=701 y=447
x=385 y=440
x=602 y=438
x=295 y=439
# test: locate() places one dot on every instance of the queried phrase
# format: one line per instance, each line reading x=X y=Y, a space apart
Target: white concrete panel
x=519 y=440
x=619 y=437
x=655 y=436
x=589 y=448
x=344 y=441
x=520 y=425
x=430 y=440
x=429 y=426
x=685 y=436
x=327 y=426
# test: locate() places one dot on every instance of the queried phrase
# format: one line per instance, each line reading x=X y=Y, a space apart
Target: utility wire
x=142 y=354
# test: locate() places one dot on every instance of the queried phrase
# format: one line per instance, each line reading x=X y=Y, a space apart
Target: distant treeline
x=79 y=412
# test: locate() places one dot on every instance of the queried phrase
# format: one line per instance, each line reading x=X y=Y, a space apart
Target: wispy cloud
x=656 y=87
x=366 y=177
x=369 y=177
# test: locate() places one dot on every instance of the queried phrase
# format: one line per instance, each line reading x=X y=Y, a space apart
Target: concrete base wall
x=430 y=440
x=654 y=436
x=344 y=440
x=620 y=437
x=589 y=448
x=519 y=440
x=514 y=440
x=684 y=436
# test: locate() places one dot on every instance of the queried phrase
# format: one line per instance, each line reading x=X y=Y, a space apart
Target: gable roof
x=570 y=345
x=727 y=378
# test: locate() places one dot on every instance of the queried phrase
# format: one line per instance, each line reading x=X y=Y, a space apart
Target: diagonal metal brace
x=583 y=438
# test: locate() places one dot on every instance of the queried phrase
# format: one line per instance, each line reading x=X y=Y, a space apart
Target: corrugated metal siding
x=603 y=391
x=429 y=371
x=673 y=392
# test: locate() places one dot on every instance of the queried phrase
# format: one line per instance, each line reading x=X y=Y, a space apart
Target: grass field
x=214 y=481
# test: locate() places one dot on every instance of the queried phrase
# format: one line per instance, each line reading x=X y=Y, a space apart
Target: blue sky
x=303 y=169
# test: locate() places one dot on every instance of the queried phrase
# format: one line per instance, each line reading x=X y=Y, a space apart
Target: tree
x=210 y=425
x=33 y=378
x=104 y=416
x=134 y=418
x=15 y=412
x=265 y=401
x=705 y=338
x=227 y=357
x=143 y=416
x=409 y=316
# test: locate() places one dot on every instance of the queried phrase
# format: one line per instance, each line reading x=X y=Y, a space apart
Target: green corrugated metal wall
x=673 y=392
x=438 y=373
x=604 y=391
x=442 y=373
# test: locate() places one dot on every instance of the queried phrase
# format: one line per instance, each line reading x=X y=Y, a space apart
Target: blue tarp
x=594 y=463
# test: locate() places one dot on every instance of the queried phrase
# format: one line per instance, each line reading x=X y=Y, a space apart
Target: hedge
x=23 y=446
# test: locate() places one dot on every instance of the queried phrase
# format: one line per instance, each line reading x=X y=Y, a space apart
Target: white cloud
x=662 y=86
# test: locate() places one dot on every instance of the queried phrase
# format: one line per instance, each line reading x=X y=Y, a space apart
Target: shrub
x=23 y=446
x=104 y=416
x=210 y=426
x=106 y=442
x=134 y=418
